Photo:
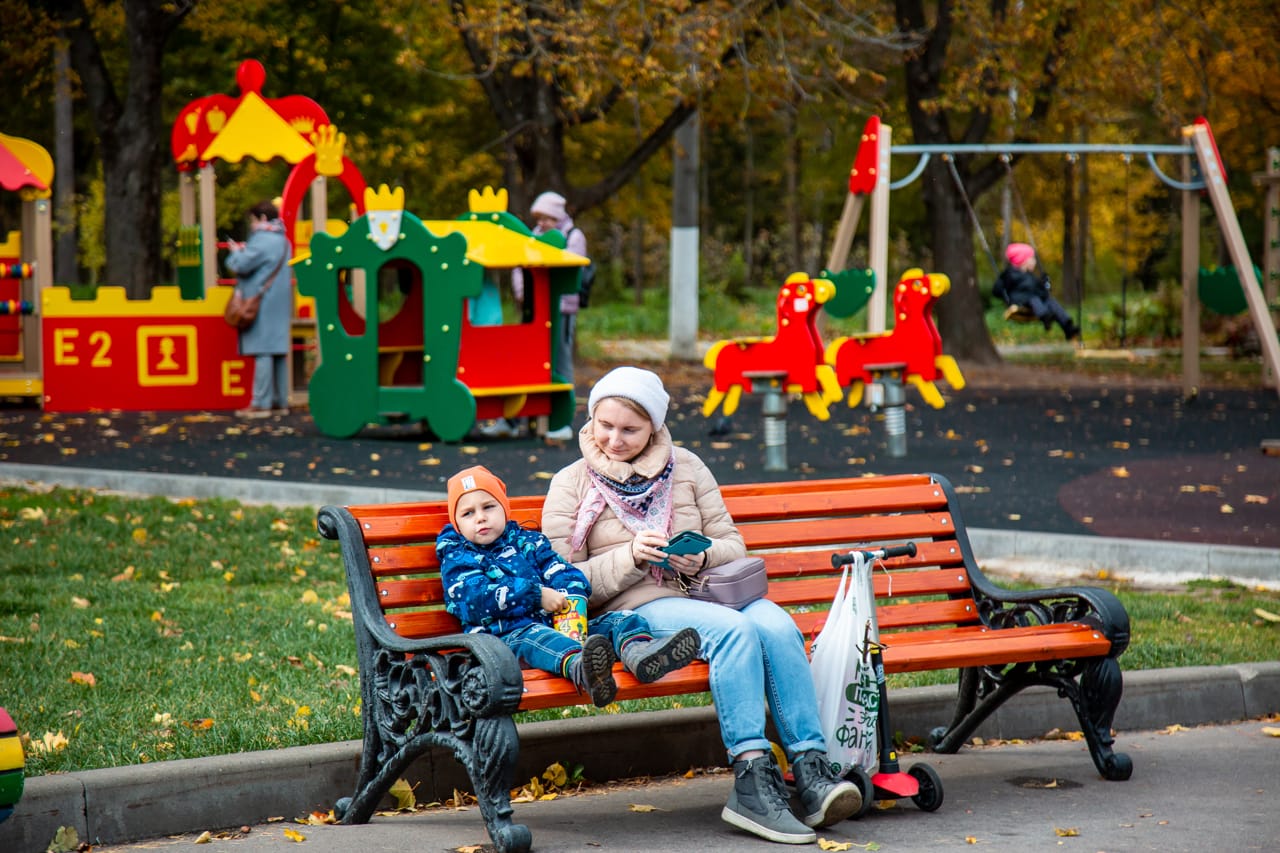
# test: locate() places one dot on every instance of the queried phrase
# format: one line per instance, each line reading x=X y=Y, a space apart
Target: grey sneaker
x=501 y=428
x=563 y=434
x=758 y=803
x=592 y=672
x=652 y=659
x=824 y=798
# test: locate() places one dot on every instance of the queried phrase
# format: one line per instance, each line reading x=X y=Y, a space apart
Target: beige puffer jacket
x=617 y=583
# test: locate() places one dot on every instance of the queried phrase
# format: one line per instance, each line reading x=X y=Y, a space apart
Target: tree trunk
x=65 y=264
x=1070 y=224
x=131 y=132
x=959 y=314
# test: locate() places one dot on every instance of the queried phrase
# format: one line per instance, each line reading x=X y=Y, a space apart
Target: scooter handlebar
x=907 y=550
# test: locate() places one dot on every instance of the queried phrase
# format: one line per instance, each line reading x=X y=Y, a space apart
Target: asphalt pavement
x=1210 y=788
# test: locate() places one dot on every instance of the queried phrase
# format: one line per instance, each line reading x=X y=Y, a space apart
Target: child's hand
x=553 y=600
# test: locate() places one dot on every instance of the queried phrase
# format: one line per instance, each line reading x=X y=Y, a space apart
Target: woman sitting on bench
x=1019 y=286
x=610 y=514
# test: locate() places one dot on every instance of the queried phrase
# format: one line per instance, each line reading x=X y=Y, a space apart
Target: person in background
x=611 y=513
x=504 y=580
x=262 y=263
x=1019 y=284
x=549 y=213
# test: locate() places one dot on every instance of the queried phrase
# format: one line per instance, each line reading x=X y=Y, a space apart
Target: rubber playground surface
x=1027 y=451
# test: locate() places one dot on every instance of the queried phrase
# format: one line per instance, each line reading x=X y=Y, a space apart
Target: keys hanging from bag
x=848 y=695
x=242 y=311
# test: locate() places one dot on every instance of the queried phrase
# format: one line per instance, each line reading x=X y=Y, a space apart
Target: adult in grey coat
x=263 y=262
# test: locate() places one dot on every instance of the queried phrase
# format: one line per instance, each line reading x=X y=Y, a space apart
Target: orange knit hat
x=476 y=478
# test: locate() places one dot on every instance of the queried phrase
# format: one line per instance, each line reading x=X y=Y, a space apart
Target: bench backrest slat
x=796 y=526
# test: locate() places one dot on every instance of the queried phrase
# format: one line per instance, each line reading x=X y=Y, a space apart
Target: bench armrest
x=999 y=607
x=495 y=683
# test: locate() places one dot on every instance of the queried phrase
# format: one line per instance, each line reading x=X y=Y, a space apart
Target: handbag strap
x=271 y=276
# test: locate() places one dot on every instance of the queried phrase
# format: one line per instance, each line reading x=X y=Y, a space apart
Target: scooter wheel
x=859 y=777
x=930 y=797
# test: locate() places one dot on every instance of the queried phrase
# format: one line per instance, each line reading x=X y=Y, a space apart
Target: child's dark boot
x=592 y=672
x=649 y=660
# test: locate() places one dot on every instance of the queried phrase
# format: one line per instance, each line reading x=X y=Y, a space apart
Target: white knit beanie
x=549 y=204
x=636 y=384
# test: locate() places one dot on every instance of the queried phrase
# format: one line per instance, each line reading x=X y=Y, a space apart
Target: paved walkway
x=1197 y=790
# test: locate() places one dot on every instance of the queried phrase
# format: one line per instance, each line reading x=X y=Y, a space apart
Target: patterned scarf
x=640 y=502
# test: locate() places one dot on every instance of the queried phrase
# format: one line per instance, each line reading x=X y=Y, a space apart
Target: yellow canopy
x=491 y=245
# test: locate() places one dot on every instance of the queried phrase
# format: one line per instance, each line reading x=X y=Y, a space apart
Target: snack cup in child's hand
x=571 y=620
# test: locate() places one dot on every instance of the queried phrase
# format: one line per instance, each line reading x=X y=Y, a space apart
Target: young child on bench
x=505 y=580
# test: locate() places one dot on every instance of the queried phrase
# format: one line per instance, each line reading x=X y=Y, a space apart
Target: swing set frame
x=1201 y=173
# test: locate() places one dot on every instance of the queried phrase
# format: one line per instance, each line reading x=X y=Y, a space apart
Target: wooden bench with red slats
x=425 y=684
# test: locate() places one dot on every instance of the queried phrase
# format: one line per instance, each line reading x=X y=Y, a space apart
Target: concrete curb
x=166 y=798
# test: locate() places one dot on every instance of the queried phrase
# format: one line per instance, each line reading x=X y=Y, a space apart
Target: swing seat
x=1020 y=314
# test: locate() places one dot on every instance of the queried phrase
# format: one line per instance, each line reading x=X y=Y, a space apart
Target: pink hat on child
x=1019 y=253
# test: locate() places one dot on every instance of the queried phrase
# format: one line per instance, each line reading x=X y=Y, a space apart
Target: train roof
x=493 y=246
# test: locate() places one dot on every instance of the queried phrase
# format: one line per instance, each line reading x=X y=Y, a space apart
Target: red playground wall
x=160 y=354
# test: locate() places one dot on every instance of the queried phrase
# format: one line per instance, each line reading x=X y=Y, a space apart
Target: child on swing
x=1018 y=284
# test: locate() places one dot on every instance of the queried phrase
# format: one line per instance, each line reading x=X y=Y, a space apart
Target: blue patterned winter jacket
x=497 y=588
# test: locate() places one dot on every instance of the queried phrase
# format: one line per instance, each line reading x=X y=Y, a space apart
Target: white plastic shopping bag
x=848 y=696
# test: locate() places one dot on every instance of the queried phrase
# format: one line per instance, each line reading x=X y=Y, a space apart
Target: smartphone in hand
x=686 y=542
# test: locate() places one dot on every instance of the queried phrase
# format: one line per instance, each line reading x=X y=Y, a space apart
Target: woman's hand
x=687 y=564
x=553 y=600
x=647 y=547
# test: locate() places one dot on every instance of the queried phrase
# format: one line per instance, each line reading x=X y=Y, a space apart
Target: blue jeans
x=271 y=381
x=756 y=654
x=542 y=647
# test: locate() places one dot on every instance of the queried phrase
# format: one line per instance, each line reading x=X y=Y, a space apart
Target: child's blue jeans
x=543 y=647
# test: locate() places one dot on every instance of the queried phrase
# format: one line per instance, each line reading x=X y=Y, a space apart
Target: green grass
x=209 y=627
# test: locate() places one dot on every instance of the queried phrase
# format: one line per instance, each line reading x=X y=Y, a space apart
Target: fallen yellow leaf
x=50 y=742
x=1226 y=509
x=1256 y=499
x=1120 y=471
x=969 y=839
x=644 y=809
x=1265 y=614
x=402 y=791
x=1271 y=731
x=84 y=678
x=1066 y=833
x=1171 y=729
x=294 y=836
x=204 y=838
x=827 y=844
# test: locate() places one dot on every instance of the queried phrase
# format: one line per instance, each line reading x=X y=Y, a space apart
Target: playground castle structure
x=173 y=351
x=1202 y=172
x=421 y=358
x=26 y=267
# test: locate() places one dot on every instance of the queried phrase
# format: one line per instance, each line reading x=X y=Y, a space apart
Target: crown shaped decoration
x=303 y=124
x=384 y=210
x=487 y=200
x=384 y=199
